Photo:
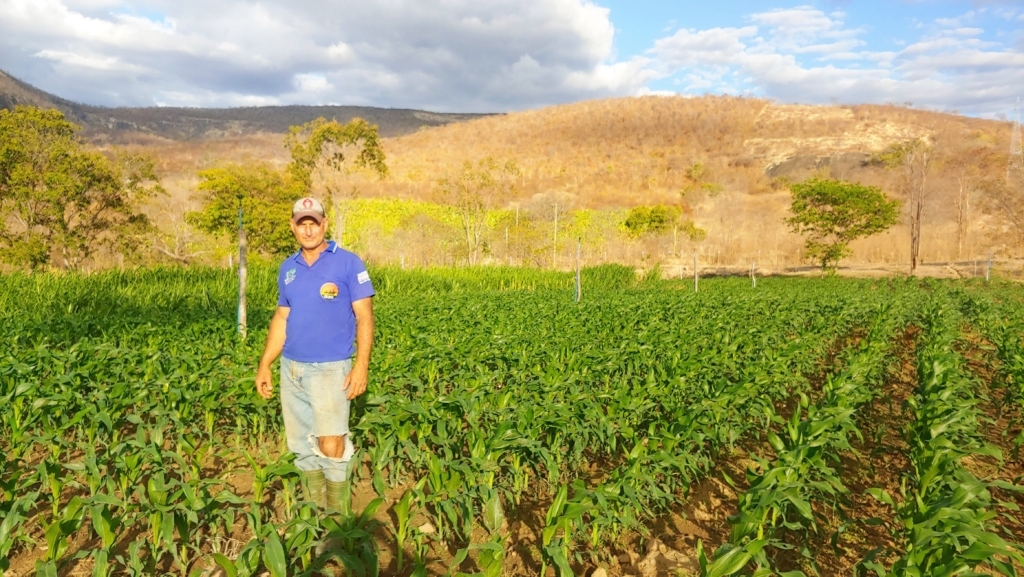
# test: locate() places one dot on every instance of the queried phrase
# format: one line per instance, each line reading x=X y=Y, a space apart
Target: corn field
x=845 y=427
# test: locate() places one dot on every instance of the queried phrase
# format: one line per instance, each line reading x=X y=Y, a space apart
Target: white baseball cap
x=310 y=207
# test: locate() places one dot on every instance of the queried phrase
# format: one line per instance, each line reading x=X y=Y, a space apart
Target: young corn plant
x=405 y=509
x=947 y=514
x=803 y=472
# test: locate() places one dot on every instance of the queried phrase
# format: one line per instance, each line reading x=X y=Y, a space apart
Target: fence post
x=243 y=273
x=554 y=243
x=696 y=277
x=579 y=278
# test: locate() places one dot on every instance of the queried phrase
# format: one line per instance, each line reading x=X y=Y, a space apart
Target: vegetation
x=61 y=203
x=914 y=159
x=725 y=156
x=833 y=213
x=653 y=220
x=131 y=440
x=473 y=193
x=263 y=196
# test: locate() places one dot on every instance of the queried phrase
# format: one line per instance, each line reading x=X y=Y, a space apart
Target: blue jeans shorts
x=314 y=403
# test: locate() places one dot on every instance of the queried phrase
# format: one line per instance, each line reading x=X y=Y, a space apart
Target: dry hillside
x=625 y=152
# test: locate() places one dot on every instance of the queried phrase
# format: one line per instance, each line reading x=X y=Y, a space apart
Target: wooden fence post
x=696 y=277
x=243 y=273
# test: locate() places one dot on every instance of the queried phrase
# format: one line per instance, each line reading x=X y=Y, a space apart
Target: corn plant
x=803 y=471
x=947 y=514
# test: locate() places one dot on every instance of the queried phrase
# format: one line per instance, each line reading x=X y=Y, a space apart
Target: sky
x=503 y=55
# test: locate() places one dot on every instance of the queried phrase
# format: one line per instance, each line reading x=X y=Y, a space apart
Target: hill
x=611 y=155
x=608 y=156
x=118 y=124
x=621 y=153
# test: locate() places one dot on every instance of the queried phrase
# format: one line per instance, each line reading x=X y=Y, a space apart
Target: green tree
x=321 y=147
x=651 y=220
x=61 y=203
x=833 y=213
x=332 y=151
x=265 y=198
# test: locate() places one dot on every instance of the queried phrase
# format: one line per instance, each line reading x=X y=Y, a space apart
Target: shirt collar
x=332 y=247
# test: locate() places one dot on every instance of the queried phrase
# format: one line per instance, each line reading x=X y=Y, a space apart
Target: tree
x=650 y=220
x=324 y=148
x=698 y=179
x=834 y=213
x=1005 y=197
x=265 y=198
x=474 y=191
x=60 y=202
x=914 y=158
x=177 y=239
x=332 y=151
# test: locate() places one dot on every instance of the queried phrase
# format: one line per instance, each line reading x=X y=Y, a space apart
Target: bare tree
x=966 y=175
x=474 y=191
x=1006 y=199
x=914 y=160
x=177 y=240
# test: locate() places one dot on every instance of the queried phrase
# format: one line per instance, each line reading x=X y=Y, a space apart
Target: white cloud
x=81 y=60
x=312 y=83
x=953 y=69
x=439 y=54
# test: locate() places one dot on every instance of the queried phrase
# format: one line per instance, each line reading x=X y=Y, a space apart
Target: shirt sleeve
x=282 y=300
x=359 y=284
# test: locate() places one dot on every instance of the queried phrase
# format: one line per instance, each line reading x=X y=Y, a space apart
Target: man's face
x=309 y=234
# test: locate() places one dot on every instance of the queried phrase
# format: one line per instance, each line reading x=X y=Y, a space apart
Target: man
x=325 y=302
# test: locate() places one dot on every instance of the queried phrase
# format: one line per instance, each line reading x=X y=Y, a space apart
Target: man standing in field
x=324 y=304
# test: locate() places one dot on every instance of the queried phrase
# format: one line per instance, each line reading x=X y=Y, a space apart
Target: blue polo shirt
x=321 y=324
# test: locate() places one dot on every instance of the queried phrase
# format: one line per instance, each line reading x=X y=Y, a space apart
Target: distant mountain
x=199 y=123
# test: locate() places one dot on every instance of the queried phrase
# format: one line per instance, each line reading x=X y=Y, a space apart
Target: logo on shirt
x=289 y=276
x=363 y=277
x=328 y=291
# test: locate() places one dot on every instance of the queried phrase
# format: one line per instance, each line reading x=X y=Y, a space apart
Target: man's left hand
x=355 y=382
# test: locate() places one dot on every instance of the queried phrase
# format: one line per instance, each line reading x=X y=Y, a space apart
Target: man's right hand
x=264 y=382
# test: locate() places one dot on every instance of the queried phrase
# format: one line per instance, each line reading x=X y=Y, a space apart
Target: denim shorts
x=315 y=404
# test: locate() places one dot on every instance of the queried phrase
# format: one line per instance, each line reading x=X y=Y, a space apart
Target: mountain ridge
x=183 y=124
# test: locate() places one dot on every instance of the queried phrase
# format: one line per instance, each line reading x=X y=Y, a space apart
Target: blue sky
x=875 y=26
x=497 y=55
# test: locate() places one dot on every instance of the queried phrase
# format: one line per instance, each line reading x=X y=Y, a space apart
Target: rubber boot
x=338 y=498
x=313 y=484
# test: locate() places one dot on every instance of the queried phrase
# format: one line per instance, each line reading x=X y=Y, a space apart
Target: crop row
x=1002 y=324
x=784 y=490
x=946 y=513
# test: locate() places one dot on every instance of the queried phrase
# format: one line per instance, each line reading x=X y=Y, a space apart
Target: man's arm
x=355 y=384
x=275 y=343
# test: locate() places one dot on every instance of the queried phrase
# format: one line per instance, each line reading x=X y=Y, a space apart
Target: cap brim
x=319 y=218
